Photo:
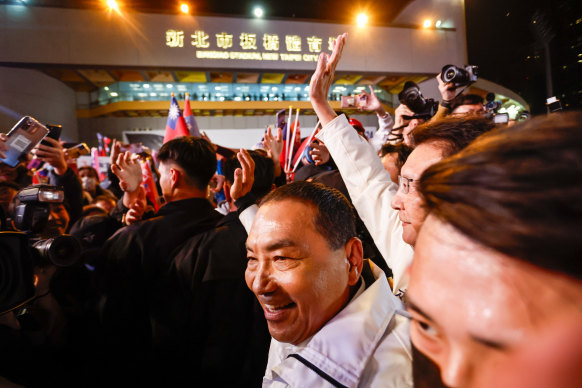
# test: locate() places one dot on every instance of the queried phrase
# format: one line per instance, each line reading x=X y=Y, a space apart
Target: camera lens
x=62 y=251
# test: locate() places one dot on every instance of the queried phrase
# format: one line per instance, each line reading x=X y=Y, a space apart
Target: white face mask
x=89 y=183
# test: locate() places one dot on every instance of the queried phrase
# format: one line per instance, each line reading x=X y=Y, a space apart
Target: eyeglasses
x=405 y=184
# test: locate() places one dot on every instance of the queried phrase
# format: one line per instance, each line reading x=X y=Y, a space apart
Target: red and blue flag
x=189 y=118
x=175 y=126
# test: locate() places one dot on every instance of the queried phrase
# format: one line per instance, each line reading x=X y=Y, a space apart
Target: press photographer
x=414 y=109
x=33 y=319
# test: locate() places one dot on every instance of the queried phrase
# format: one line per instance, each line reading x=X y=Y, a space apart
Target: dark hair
x=335 y=218
x=194 y=154
x=517 y=190
x=466 y=99
x=263 y=172
x=401 y=150
x=454 y=133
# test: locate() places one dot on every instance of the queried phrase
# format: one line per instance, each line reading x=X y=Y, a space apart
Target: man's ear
x=175 y=176
x=355 y=257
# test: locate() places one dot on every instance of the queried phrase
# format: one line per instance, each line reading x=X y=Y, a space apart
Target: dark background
x=502 y=38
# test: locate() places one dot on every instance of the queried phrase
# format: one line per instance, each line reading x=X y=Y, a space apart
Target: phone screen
x=54 y=133
x=23 y=137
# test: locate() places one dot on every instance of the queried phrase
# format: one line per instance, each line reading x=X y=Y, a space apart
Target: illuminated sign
x=251 y=46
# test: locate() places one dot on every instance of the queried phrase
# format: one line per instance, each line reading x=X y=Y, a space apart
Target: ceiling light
x=112 y=4
x=362 y=20
x=427 y=23
x=258 y=12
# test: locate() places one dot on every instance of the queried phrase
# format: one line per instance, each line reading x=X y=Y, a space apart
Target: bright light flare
x=258 y=12
x=184 y=8
x=438 y=24
x=362 y=20
x=427 y=23
x=112 y=4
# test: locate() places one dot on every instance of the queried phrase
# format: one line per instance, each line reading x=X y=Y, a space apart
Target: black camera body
x=411 y=96
x=459 y=76
x=31 y=215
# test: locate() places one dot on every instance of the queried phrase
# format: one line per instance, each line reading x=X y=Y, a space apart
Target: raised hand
x=128 y=170
x=243 y=177
x=319 y=153
x=136 y=208
x=3 y=146
x=323 y=78
x=53 y=154
x=372 y=102
x=448 y=90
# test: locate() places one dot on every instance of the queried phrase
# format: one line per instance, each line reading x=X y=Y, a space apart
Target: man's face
x=299 y=281
x=410 y=206
x=58 y=219
x=472 y=308
x=469 y=109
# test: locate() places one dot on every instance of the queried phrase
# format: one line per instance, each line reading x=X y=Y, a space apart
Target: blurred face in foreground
x=300 y=282
x=473 y=308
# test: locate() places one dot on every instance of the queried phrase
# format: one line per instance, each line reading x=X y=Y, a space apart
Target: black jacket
x=136 y=262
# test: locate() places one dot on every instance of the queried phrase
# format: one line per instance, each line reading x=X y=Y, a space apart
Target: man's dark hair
x=401 y=150
x=467 y=99
x=453 y=133
x=263 y=172
x=195 y=155
x=335 y=219
x=518 y=191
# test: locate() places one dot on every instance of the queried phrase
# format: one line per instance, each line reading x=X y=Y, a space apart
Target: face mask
x=89 y=183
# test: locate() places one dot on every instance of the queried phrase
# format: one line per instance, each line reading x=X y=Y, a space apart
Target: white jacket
x=371 y=191
x=365 y=345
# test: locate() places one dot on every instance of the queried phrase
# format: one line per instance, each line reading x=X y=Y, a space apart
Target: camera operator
x=62 y=175
x=453 y=102
x=58 y=289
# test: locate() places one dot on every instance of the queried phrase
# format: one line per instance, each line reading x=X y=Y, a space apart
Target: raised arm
x=368 y=183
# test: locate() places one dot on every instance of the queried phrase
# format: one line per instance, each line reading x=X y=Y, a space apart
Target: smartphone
x=22 y=138
x=353 y=101
x=281 y=118
x=54 y=133
x=501 y=118
x=77 y=150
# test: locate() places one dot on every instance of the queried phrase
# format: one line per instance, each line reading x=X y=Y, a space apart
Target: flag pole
x=287 y=136
x=307 y=145
x=292 y=146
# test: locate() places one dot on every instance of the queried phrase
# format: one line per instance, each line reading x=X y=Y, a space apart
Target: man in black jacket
x=138 y=289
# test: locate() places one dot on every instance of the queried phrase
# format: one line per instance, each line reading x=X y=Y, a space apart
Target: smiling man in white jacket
x=331 y=314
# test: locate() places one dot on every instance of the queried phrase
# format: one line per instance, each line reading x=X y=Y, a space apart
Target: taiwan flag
x=189 y=118
x=175 y=126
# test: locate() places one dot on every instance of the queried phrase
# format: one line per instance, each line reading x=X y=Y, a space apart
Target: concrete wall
x=32 y=93
x=85 y=37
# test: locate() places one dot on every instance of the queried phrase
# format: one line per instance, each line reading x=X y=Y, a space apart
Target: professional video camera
x=411 y=96
x=458 y=76
x=21 y=251
x=31 y=215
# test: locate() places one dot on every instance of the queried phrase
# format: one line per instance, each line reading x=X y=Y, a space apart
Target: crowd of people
x=442 y=251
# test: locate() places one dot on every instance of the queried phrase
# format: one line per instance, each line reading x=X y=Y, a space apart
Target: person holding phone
x=53 y=154
x=3 y=146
